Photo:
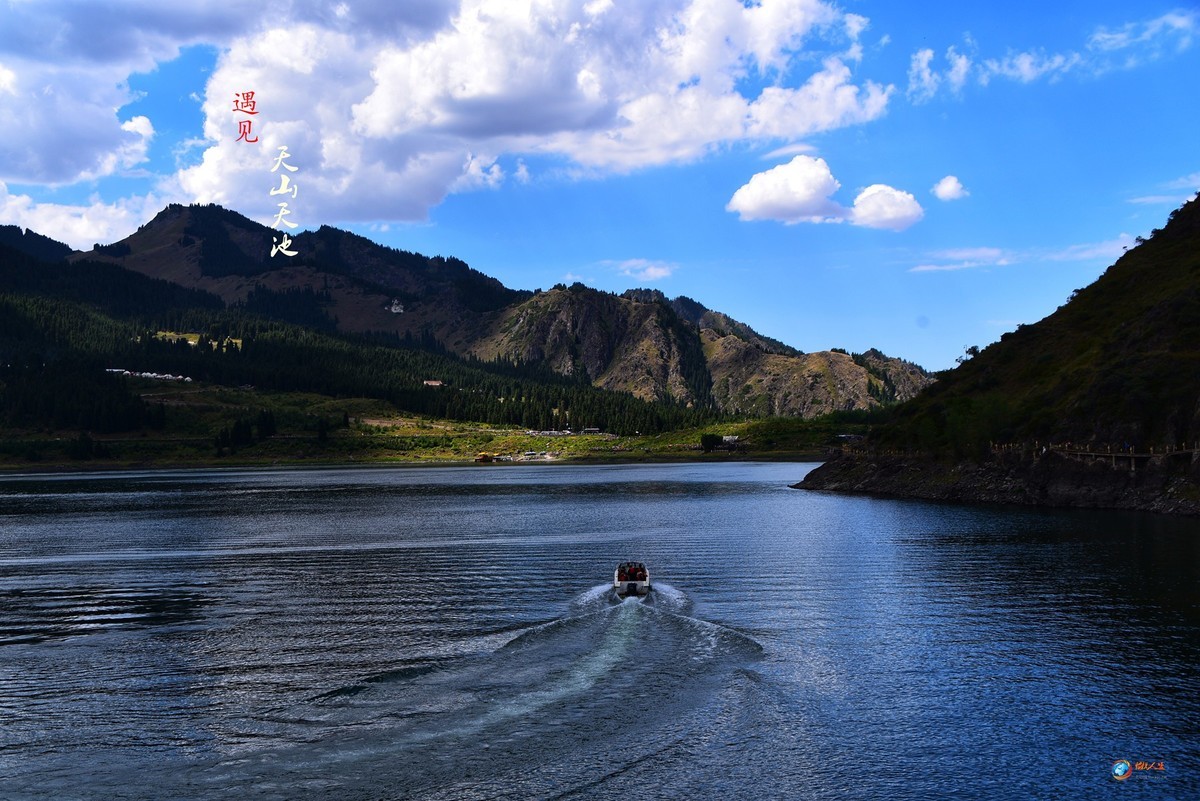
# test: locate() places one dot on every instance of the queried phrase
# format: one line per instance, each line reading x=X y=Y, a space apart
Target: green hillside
x=63 y=325
x=1117 y=366
x=1096 y=406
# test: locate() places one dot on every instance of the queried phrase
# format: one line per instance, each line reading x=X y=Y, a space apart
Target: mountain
x=639 y=342
x=357 y=285
x=1115 y=369
x=33 y=244
x=614 y=342
x=66 y=327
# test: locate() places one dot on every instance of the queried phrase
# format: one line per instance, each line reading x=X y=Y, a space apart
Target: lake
x=449 y=633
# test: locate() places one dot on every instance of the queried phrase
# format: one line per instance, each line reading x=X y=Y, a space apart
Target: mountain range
x=639 y=342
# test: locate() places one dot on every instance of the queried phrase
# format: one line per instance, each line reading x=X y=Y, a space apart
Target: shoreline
x=99 y=466
x=1051 y=481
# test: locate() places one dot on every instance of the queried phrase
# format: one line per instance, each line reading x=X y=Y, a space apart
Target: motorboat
x=631 y=579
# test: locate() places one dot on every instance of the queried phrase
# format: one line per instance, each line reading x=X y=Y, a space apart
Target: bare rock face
x=618 y=344
x=660 y=349
x=902 y=380
x=751 y=381
x=639 y=342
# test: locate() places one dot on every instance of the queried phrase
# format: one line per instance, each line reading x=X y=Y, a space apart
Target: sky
x=914 y=177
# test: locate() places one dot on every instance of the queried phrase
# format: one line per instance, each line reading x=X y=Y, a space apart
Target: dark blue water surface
x=447 y=633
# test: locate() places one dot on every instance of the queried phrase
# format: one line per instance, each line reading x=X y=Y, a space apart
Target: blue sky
x=915 y=177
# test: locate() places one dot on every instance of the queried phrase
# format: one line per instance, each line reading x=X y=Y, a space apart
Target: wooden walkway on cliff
x=1114 y=456
x=1126 y=456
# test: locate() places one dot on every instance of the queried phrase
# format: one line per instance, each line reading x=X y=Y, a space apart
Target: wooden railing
x=1116 y=455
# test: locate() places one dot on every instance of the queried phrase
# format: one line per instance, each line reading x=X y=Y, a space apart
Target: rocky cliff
x=640 y=342
x=1153 y=483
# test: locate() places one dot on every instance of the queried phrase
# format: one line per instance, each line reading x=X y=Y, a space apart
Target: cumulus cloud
x=880 y=206
x=612 y=90
x=799 y=191
x=63 y=129
x=949 y=188
x=802 y=191
x=389 y=107
x=64 y=80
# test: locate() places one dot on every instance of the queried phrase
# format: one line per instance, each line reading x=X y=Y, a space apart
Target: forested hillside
x=638 y=342
x=63 y=325
x=1118 y=365
x=1097 y=405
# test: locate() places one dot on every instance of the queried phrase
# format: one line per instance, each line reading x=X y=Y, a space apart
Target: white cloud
x=960 y=68
x=799 y=191
x=788 y=150
x=982 y=255
x=654 y=84
x=1174 y=28
x=522 y=173
x=478 y=173
x=954 y=259
x=69 y=66
x=646 y=269
x=949 y=188
x=880 y=206
x=390 y=107
x=128 y=153
x=61 y=126
x=939 y=268
x=1106 y=50
x=1105 y=251
x=802 y=191
x=855 y=25
x=1191 y=182
x=8 y=80
x=1029 y=66
x=923 y=82
x=79 y=226
x=1159 y=200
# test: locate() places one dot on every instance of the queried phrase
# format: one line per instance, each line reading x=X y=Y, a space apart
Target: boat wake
x=608 y=677
x=662 y=596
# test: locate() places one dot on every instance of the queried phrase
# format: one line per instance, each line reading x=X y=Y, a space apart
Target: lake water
x=447 y=633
